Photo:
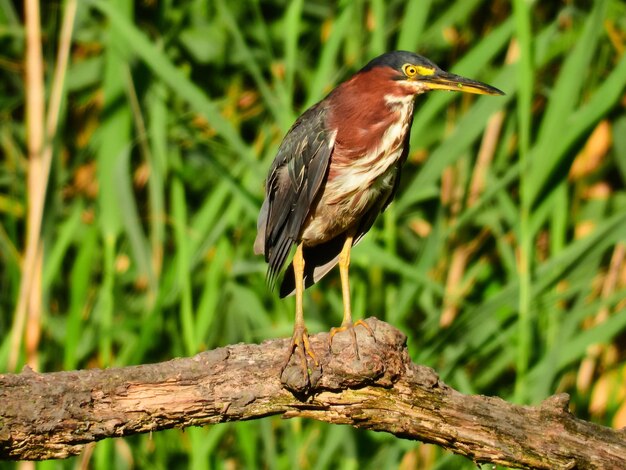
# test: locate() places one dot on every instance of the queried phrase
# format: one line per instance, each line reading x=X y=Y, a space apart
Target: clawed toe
x=301 y=345
x=349 y=326
x=367 y=327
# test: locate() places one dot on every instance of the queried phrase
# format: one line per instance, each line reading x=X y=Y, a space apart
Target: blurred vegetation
x=502 y=257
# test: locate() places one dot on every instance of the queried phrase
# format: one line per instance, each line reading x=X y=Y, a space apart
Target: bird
x=337 y=168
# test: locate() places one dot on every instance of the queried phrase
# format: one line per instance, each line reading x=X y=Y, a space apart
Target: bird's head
x=411 y=74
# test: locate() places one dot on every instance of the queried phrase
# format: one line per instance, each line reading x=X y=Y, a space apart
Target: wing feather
x=294 y=180
x=319 y=260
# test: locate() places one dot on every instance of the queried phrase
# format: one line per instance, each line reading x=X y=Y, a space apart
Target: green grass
x=170 y=117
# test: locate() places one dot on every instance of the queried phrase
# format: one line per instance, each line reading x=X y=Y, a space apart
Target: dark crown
x=396 y=59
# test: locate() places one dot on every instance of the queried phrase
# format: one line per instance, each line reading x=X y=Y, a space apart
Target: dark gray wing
x=294 y=181
x=320 y=259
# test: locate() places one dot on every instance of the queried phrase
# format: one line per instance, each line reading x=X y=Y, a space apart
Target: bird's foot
x=349 y=326
x=299 y=377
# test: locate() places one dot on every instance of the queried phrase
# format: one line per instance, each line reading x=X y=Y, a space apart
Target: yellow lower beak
x=452 y=82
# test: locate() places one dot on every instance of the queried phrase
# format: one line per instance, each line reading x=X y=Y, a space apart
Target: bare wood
x=55 y=415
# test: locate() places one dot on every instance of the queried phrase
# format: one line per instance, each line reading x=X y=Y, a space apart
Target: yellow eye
x=409 y=70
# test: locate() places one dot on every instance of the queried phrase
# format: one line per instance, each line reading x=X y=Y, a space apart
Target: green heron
x=337 y=168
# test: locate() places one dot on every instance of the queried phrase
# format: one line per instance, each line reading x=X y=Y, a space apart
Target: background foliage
x=502 y=257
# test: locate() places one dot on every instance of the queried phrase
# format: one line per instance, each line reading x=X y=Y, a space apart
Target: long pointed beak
x=449 y=81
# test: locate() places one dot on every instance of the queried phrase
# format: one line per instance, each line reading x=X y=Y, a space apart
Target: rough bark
x=54 y=415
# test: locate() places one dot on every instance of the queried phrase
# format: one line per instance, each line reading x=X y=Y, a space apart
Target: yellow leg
x=344 y=268
x=298 y=270
x=300 y=338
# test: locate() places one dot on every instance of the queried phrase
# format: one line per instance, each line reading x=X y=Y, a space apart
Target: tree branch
x=54 y=415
